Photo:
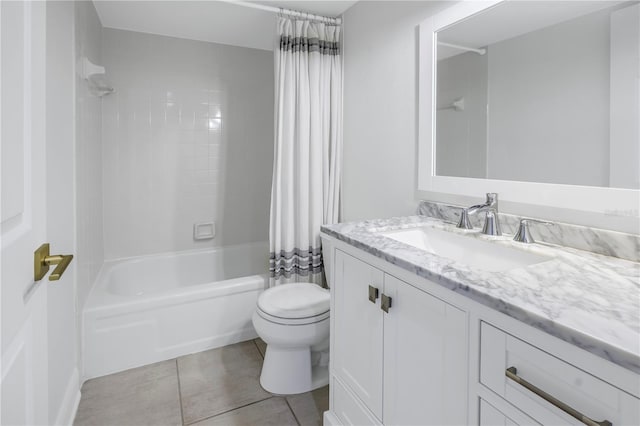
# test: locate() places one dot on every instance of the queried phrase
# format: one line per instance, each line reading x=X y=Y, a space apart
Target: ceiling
x=213 y=21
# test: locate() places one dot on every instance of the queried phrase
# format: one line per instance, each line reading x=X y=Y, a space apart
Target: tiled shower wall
x=187 y=138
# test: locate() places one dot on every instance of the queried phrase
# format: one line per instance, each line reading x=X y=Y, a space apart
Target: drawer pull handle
x=512 y=373
x=373 y=294
x=385 y=304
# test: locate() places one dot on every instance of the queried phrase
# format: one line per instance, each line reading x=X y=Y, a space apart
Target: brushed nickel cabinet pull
x=385 y=303
x=373 y=294
x=512 y=373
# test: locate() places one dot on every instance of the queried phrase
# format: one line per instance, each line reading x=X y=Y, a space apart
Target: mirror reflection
x=541 y=92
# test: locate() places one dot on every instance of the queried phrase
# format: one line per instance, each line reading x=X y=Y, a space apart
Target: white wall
x=90 y=242
x=380 y=107
x=380 y=121
x=89 y=255
x=548 y=118
x=63 y=380
x=187 y=137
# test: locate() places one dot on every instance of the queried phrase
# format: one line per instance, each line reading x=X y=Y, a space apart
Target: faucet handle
x=464 y=222
x=524 y=234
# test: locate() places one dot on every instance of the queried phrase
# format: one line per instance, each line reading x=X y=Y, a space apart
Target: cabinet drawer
x=576 y=388
x=348 y=409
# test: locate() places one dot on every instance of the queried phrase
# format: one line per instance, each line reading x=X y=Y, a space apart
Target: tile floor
x=216 y=387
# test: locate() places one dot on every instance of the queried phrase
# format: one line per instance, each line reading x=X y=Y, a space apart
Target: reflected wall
x=556 y=103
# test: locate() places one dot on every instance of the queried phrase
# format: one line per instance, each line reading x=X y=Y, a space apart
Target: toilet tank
x=327 y=257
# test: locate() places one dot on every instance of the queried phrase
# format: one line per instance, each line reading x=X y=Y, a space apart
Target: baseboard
x=329 y=419
x=69 y=406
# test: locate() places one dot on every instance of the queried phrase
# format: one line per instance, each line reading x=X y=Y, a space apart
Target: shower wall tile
x=188 y=137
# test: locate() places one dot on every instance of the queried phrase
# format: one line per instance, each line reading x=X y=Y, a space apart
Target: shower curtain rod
x=285 y=11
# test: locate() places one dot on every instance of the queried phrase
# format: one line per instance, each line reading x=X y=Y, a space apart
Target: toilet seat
x=294 y=304
x=292 y=321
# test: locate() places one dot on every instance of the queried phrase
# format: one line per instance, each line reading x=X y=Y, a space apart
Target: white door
x=23 y=302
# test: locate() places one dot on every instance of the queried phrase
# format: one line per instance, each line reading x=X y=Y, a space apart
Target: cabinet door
x=491 y=416
x=358 y=329
x=348 y=409
x=425 y=359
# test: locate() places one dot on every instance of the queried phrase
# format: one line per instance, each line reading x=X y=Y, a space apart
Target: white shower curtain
x=308 y=144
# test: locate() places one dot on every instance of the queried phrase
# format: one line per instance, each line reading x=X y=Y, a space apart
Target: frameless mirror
x=541 y=92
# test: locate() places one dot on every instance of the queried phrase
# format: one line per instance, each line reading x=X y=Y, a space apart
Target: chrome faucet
x=491 y=222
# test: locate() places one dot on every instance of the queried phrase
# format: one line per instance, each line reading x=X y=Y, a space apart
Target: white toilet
x=293 y=320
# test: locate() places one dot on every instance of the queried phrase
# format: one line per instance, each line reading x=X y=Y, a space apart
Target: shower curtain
x=308 y=143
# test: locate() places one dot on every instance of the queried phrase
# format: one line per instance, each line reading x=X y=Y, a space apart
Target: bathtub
x=152 y=308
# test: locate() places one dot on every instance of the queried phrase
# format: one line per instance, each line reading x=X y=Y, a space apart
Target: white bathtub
x=147 y=309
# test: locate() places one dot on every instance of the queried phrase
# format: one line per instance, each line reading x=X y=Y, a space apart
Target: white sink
x=467 y=250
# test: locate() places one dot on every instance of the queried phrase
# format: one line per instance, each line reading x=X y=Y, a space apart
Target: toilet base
x=320 y=376
x=288 y=371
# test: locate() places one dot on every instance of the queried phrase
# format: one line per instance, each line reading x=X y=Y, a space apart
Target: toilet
x=293 y=320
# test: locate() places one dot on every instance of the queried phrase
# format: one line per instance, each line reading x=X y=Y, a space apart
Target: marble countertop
x=589 y=300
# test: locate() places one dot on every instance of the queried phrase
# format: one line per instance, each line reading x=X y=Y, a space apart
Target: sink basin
x=467 y=250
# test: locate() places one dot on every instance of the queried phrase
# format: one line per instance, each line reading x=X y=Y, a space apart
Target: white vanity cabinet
x=405 y=364
x=491 y=416
x=406 y=351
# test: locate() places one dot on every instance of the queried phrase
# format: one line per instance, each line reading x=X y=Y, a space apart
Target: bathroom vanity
x=544 y=334
x=436 y=325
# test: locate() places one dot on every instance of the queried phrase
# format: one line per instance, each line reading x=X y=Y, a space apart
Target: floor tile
x=262 y=346
x=271 y=412
x=142 y=396
x=309 y=407
x=220 y=380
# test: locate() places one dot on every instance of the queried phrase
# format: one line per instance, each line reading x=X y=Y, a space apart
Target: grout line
x=230 y=410
x=292 y=412
x=179 y=391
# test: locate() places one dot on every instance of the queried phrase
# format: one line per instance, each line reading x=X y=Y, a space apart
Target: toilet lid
x=297 y=300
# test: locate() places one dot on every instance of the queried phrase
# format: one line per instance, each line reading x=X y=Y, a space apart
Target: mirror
x=543 y=92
